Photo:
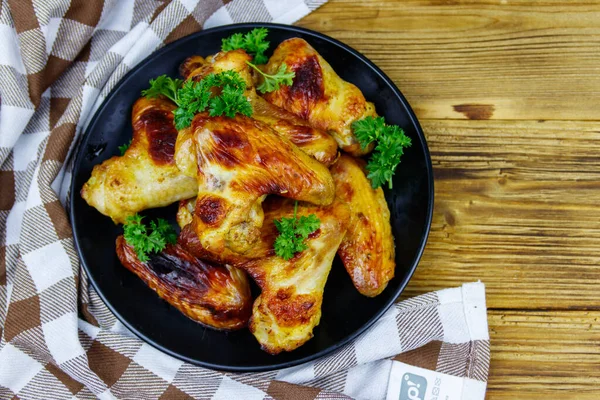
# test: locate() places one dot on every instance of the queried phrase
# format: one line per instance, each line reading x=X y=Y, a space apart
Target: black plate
x=346 y=313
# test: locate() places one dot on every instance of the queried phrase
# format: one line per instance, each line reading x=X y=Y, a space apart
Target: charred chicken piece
x=367 y=250
x=318 y=94
x=214 y=295
x=146 y=175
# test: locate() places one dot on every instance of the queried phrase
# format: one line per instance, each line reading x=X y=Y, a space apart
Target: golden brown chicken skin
x=196 y=68
x=367 y=250
x=189 y=240
x=146 y=175
x=314 y=142
x=214 y=295
x=238 y=161
x=289 y=306
x=318 y=94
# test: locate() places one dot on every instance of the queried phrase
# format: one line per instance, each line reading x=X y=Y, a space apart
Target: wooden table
x=508 y=94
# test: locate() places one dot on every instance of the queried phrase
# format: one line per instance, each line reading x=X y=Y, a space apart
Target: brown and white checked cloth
x=58 y=61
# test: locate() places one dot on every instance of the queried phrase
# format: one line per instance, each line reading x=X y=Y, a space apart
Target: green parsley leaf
x=253 y=42
x=293 y=232
x=230 y=102
x=273 y=82
x=227 y=78
x=164 y=229
x=163 y=85
x=195 y=97
x=368 y=130
x=233 y=42
x=183 y=118
x=391 y=142
x=123 y=148
x=148 y=240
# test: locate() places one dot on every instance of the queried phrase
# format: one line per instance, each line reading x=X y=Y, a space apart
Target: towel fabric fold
x=58 y=61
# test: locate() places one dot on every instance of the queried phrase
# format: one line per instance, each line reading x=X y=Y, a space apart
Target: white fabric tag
x=412 y=383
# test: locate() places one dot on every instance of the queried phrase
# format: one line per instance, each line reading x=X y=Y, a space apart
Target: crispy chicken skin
x=214 y=295
x=189 y=240
x=146 y=175
x=238 y=162
x=289 y=306
x=314 y=142
x=318 y=94
x=367 y=250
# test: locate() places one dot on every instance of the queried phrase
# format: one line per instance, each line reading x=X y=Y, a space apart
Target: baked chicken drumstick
x=146 y=175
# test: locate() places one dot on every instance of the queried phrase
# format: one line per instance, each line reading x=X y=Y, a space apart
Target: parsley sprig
x=293 y=232
x=146 y=240
x=123 y=148
x=272 y=82
x=194 y=97
x=390 y=143
x=254 y=42
x=163 y=85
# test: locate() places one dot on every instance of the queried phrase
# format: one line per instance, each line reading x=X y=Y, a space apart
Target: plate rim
x=85 y=136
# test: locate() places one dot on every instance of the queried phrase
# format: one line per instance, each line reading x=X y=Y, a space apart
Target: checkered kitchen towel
x=58 y=61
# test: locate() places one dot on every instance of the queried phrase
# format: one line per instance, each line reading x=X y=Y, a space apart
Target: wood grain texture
x=516 y=59
x=508 y=93
x=516 y=205
x=560 y=350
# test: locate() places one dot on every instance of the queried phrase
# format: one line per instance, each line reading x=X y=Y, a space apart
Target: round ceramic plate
x=346 y=313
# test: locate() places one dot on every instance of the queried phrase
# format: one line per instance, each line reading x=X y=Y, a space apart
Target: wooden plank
x=479 y=59
x=544 y=355
x=516 y=206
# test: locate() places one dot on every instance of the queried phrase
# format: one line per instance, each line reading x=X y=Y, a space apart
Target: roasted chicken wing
x=214 y=295
x=146 y=175
x=367 y=250
x=314 y=142
x=238 y=161
x=318 y=94
x=289 y=306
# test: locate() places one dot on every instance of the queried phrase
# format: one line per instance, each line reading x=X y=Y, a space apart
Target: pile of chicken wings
x=233 y=177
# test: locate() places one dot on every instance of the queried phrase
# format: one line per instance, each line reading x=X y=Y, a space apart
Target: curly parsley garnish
x=163 y=85
x=274 y=81
x=194 y=97
x=146 y=240
x=123 y=148
x=293 y=232
x=254 y=42
x=390 y=143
